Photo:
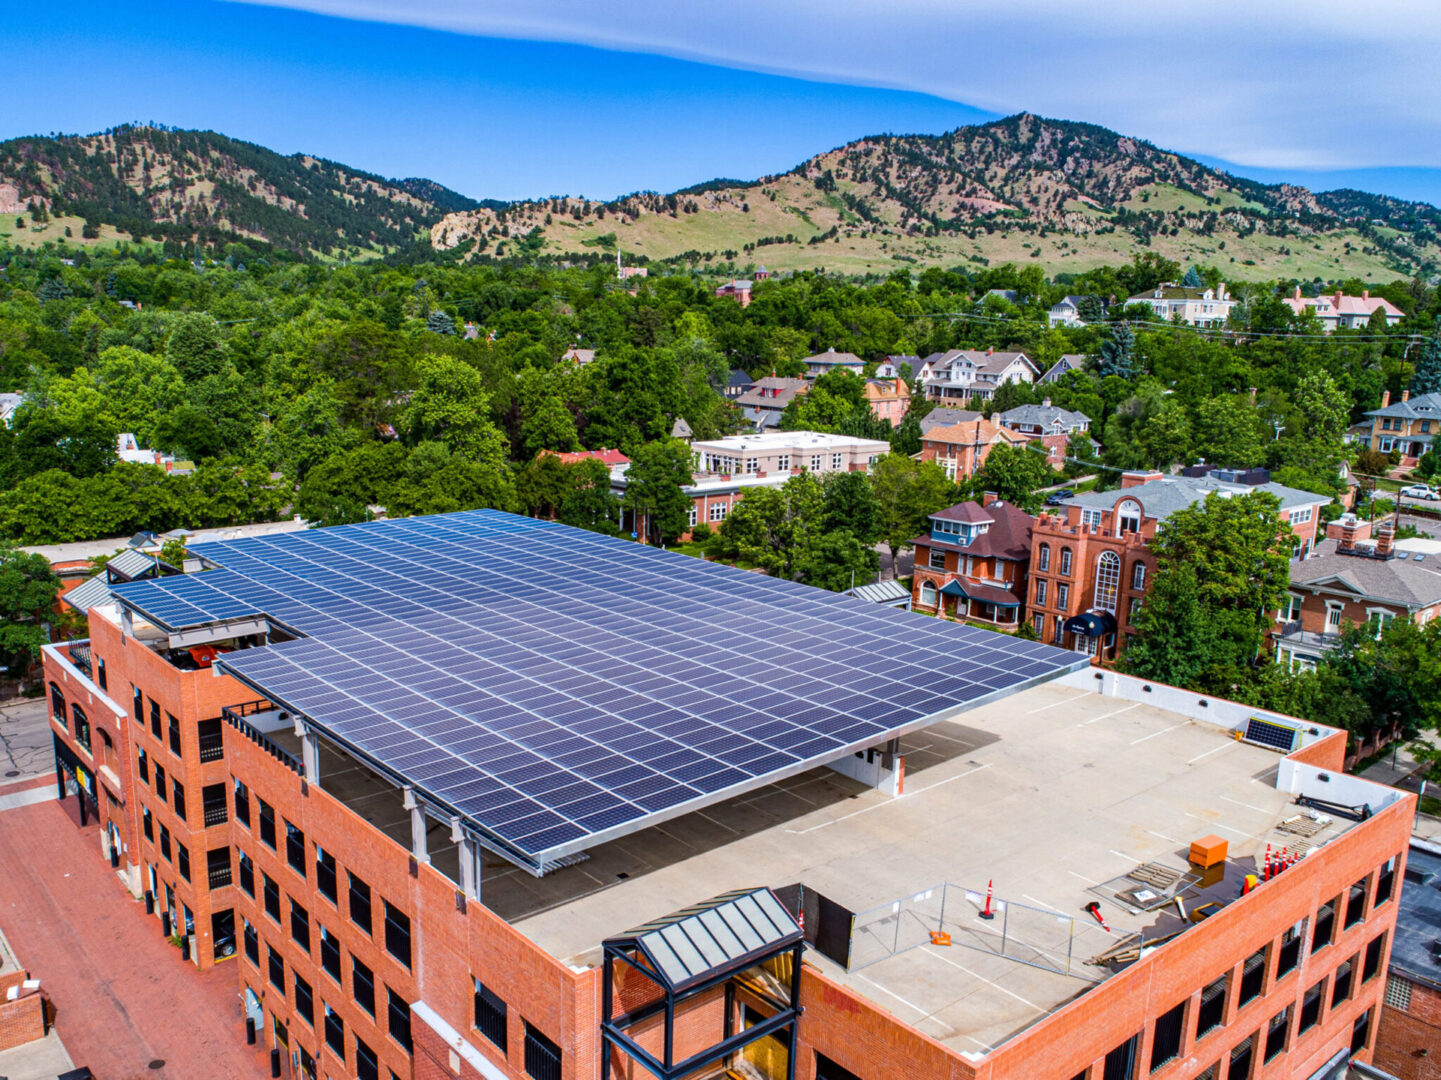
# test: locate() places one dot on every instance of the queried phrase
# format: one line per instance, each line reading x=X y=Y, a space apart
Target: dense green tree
x=28 y=588
x=542 y=485
x=194 y=347
x=1230 y=431
x=1117 y=353
x=589 y=502
x=848 y=504
x=308 y=430
x=139 y=389
x=1016 y=474
x=907 y=493
x=658 y=472
x=1426 y=378
x=449 y=406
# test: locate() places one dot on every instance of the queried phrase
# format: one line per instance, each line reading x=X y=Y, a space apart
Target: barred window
x=1398 y=993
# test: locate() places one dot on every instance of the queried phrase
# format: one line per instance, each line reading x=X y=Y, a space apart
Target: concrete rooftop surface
x=1048 y=793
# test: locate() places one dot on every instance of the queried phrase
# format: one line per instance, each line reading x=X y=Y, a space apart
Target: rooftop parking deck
x=1049 y=794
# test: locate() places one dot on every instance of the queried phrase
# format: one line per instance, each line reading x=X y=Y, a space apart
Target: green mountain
x=152 y=182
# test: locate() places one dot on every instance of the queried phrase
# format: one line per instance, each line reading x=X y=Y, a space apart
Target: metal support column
x=417 y=826
x=309 y=751
x=469 y=859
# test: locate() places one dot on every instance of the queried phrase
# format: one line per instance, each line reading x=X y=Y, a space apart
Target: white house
x=1198 y=307
x=959 y=374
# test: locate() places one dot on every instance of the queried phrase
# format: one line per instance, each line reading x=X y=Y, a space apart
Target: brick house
x=1049 y=425
x=738 y=289
x=889 y=399
x=1409 y=425
x=371 y=932
x=1091 y=559
x=1408 y=1042
x=972 y=563
x=962 y=448
x=1349 y=579
x=958 y=375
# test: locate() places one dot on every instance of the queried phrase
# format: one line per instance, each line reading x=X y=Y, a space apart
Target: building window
x=1276 y=1033
x=1371 y=967
x=142 y=765
x=210 y=740
x=252 y=943
x=1040 y=594
x=783 y=463
x=174 y=725
x=57 y=704
x=397 y=1018
x=182 y=860
x=330 y=954
x=1241 y=1053
x=325 y=873
x=1292 y=611
x=1091 y=519
x=692 y=516
x=367 y=1067
x=1063 y=596
x=1121 y=1062
x=1134 y=611
x=1059 y=628
x=82 y=726
x=490 y=1015
x=1138 y=576
x=160 y=780
x=929 y=595
x=1166 y=1038
x=1038 y=623
x=138 y=702
x=1398 y=993
x=147 y=823
x=1341 y=984
x=1384 y=882
x=1043 y=557
x=272 y=897
x=1128 y=518
x=1065 y=562
x=247 y=874
x=267 y=822
x=165 y=843
x=1355 y=904
x=242 y=804
x=1213 y=1007
x=299 y=925
x=334 y=1032
x=100 y=673
x=304 y=1000
x=397 y=933
x=178 y=799
x=1361 y=1032
x=217 y=867
x=937 y=559
x=359 y=903
x=717 y=511
x=155 y=719
x=826 y=1069
x=362 y=985
x=542 y=1057
x=815 y=463
x=1325 y=925
x=1288 y=953
x=1311 y=1008
x=1108 y=581
x=295 y=848
x=1253 y=977
x=837 y=461
x=277 y=969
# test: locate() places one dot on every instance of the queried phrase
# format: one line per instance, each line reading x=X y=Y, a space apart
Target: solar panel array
x=556 y=687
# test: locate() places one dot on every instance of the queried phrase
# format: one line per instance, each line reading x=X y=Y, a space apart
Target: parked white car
x=1420 y=491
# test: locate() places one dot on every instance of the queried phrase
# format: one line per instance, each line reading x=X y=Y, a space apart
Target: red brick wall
x=21 y=1020
x=1409 y=1043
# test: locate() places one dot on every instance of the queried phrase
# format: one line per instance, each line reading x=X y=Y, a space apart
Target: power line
x=1203 y=331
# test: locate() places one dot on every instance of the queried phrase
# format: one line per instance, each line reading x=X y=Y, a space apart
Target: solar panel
x=1272 y=734
x=558 y=688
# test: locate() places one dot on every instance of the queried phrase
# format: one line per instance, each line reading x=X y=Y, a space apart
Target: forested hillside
x=155 y=183
x=1069 y=195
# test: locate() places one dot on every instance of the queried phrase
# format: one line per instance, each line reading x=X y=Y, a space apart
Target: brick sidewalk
x=123 y=996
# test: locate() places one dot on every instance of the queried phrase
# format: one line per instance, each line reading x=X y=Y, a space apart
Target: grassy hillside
x=1070 y=196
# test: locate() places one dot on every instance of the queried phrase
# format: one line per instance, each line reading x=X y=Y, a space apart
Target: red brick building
x=972 y=564
x=1409 y=1042
x=373 y=937
x=962 y=448
x=1091 y=559
x=1350 y=579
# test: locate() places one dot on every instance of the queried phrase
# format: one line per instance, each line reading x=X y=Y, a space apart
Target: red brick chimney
x=1135 y=479
x=1405 y=395
x=1347 y=530
x=1385 y=398
x=1365 y=294
x=1385 y=540
x=988 y=497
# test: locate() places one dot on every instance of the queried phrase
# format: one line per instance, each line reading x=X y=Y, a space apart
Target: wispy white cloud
x=1325 y=85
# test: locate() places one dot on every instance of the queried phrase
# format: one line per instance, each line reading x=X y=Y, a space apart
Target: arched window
x=1065 y=562
x=929 y=594
x=1128 y=517
x=57 y=704
x=1108 y=581
x=82 y=726
x=1043 y=557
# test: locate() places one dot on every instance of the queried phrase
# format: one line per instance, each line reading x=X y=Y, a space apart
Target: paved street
x=25 y=749
x=124 y=998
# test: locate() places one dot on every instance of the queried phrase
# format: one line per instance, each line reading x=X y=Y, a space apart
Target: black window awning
x=1092 y=624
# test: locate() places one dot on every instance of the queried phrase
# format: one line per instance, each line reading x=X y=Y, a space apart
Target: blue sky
x=553 y=98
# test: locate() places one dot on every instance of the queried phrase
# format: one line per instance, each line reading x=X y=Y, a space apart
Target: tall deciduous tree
x=450 y=406
x=28 y=587
x=1016 y=474
x=658 y=471
x=907 y=493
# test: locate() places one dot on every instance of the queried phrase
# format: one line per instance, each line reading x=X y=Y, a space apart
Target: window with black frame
x=490 y=1015
x=542 y=1055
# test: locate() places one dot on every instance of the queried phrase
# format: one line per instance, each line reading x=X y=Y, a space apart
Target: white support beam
x=309 y=751
x=469 y=859
x=417 y=826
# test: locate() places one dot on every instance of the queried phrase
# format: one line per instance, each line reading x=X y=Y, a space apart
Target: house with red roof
x=973 y=563
x=573 y=457
x=1345 y=312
